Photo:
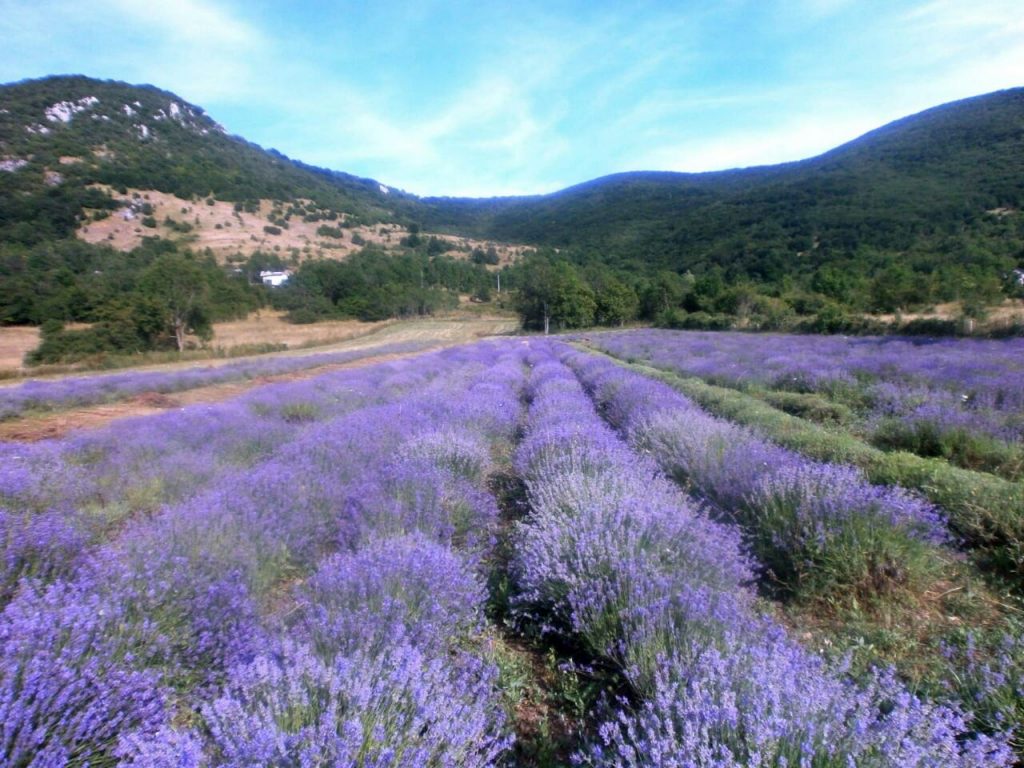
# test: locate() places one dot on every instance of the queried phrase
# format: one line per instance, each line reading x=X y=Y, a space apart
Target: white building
x=274 y=279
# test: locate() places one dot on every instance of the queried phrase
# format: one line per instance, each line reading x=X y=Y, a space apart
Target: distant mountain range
x=947 y=181
x=951 y=169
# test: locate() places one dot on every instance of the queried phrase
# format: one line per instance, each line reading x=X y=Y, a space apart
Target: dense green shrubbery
x=372 y=285
x=959 y=446
x=812 y=246
x=873 y=226
x=132 y=301
x=327 y=231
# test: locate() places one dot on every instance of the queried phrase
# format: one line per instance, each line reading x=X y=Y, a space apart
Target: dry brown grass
x=15 y=343
x=266 y=328
x=1007 y=312
x=269 y=327
x=230 y=234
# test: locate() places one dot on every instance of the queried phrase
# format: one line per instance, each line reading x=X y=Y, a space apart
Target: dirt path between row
x=59 y=424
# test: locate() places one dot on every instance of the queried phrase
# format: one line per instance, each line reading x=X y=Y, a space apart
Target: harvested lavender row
x=168 y=614
x=70 y=392
x=944 y=385
x=805 y=519
x=614 y=557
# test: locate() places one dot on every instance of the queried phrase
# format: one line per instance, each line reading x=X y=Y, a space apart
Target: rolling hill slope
x=933 y=199
x=941 y=172
x=60 y=135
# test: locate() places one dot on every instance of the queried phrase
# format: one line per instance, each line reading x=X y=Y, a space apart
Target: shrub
x=399 y=709
x=326 y=231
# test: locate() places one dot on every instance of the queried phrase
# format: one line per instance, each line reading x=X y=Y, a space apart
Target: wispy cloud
x=204 y=49
x=458 y=97
x=796 y=138
x=198 y=23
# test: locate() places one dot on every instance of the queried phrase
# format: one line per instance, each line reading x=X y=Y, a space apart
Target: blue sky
x=490 y=98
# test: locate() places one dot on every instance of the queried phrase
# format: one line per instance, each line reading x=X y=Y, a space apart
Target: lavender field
x=962 y=399
x=69 y=392
x=516 y=552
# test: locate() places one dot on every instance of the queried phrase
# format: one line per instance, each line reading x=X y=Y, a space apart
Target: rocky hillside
x=61 y=136
x=924 y=210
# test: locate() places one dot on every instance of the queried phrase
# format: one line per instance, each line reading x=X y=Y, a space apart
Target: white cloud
x=199 y=23
x=200 y=48
x=536 y=97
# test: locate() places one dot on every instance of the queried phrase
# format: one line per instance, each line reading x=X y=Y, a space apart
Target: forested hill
x=924 y=210
x=935 y=174
x=952 y=171
x=61 y=134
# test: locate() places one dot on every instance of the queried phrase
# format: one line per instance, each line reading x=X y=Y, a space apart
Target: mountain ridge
x=933 y=197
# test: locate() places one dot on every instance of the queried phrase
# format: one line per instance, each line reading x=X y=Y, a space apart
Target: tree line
x=152 y=297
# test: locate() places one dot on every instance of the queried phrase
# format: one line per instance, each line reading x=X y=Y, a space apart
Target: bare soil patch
x=269 y=327
x=1010 y=311
x=15 y=343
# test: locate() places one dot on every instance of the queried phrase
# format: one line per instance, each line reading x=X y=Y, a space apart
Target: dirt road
x=435 y=333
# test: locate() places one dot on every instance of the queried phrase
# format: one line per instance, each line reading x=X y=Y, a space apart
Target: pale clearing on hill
x=235 y=235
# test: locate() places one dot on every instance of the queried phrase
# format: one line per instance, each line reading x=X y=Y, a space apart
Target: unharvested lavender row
x=946 y=386
x=811 y=523
x=615 y=558
x=58 y=498
x=70 y=392
x=378 y=518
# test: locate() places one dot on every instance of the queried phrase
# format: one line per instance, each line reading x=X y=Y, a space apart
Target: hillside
x=941 y=172
x=922 y=211
x=954 y=170
x=61 y=135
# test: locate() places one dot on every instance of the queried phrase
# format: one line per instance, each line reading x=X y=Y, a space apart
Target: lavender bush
x=398 y=708
x=297 y=578
x=68 y=688
x=73 y=391
x=56 y=497
x=959 y=399
x=665 y=601
x=409 y=589
x=199 y=585
x=810 y=523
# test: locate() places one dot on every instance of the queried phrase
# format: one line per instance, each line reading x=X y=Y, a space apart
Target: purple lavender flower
x=68 y=684
x=603 y=560
x=408 y=589
x=398 y=709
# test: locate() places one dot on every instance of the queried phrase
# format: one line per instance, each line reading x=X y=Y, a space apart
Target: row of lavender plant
x=813 y=524
x=176 y=640
x=614 y=557
x=59 y=497
x=69 y=392
x=946 y=386
x=189 y=611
